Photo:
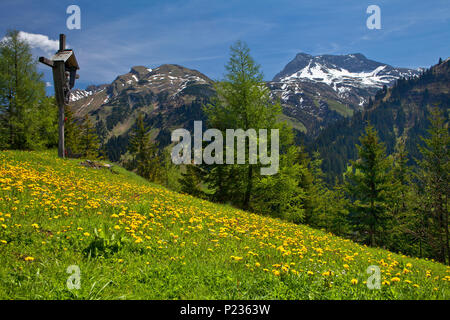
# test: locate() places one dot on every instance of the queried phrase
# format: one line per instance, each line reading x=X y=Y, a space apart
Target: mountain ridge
x=172 y=96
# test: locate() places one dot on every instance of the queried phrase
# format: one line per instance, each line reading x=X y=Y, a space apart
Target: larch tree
x=242 y=102
x=27 y=116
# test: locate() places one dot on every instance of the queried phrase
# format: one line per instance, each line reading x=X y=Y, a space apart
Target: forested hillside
x=400 y=112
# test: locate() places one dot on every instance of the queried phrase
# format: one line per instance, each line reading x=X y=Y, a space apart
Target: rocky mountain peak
x=140 y=71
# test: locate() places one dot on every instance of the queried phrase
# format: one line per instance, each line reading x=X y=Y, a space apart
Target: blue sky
x=198 y=33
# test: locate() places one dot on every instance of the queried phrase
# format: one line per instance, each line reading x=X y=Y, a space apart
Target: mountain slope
x=134 y=240
x=170 y=96
x=400 y=111
x=318 y=90
x=314 y=91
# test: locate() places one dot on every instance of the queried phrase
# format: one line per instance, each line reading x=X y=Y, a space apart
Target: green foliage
x=104 y=244
x=169 y=173
x=72 y=134
x=242 y=102
x=27 y=116
x=368 y=185
x=89 y=142
x=281 y=195
x=191 y=181
x=434 y=183
x=144 y=151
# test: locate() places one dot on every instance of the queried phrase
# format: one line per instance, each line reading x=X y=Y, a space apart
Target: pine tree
x=27 y=116
x=434 y=179
x=367 y=184
x=144 y=152
x=89 y=142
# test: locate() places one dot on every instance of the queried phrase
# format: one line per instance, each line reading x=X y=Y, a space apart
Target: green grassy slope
x=135 y=240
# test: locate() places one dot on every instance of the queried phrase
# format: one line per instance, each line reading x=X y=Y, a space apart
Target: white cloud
x=48 y=84
x=40 y=41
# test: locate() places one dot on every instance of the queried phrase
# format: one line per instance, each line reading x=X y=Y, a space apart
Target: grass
x=296 y=124
x=342 y=109
x=135 y=240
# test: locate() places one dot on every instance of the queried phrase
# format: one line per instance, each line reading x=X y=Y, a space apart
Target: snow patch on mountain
x=337 y=77
x=78 y=94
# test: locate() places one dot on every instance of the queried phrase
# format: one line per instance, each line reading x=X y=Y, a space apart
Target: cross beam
x=64 y=66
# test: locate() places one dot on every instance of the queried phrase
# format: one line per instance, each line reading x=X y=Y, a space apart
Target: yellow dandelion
x=395 y=279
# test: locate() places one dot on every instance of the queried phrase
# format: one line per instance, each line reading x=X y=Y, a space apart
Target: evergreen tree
x=191 y=181
x=434 y=181
x=401 y=177
x=72 y=134
x=170 y=173
x=282 y=195
x=144 y=151
x=404 y=232
x=332 y=212
x=367 y=184
x=89 y=142
x=27 y=116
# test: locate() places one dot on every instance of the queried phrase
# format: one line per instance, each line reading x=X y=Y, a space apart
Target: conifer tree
x=367 y=184
x=404 y=231
x=434 y=180
x=191 y=181
x=144 y=151
x=89 y=142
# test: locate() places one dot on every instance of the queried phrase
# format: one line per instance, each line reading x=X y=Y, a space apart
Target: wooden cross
x=64 y=66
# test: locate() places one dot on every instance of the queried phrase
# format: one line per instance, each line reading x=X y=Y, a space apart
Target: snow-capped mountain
x=342 y=70
x=312 y=87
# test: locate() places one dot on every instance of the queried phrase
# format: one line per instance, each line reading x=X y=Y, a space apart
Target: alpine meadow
x=327 y=181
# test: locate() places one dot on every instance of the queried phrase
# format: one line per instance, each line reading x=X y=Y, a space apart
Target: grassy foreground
x=134 y=240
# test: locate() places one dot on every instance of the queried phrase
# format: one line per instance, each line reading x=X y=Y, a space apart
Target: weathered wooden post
x=64 y=66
